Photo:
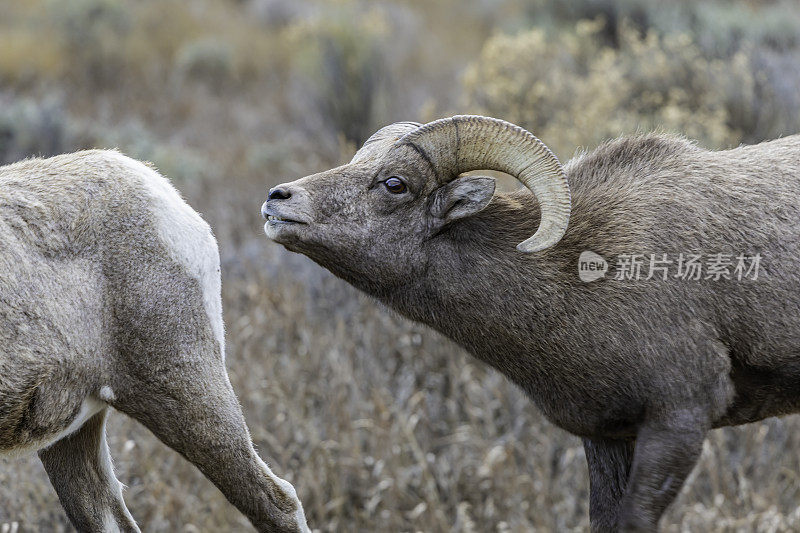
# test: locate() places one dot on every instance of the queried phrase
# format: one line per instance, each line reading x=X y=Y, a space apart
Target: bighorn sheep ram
x=110 y=296
x=640 y=369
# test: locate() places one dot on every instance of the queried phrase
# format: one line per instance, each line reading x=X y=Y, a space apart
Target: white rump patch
x=89 y=407
x=110 y=524
x=107 y=394
x=188 y=237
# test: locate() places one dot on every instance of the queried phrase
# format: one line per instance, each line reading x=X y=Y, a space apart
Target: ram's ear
x=461 y=198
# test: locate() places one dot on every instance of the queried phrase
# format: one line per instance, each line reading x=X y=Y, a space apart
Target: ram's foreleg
x=667 y=450
x=609 y=462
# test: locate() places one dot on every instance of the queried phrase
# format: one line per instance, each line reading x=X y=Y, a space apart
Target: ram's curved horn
x=469 y=142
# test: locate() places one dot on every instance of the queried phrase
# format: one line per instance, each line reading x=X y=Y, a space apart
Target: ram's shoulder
x=632 y=158
x=635 y=151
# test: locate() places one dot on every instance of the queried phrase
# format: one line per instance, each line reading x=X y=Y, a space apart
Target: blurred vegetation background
x=380 y=423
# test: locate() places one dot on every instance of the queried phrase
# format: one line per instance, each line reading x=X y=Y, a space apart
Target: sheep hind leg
x=79 y=467
x=609 y=462
x=194 y=411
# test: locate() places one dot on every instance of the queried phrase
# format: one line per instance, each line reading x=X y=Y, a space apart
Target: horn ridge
x=463 y=143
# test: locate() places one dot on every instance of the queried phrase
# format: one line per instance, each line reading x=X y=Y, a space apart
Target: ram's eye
x=395 y=185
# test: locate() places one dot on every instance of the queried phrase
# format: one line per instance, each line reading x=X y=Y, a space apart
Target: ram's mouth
x=282 y=227
x=274 y=219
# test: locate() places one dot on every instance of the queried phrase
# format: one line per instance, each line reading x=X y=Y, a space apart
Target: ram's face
x=376 y=221
x=370 y=221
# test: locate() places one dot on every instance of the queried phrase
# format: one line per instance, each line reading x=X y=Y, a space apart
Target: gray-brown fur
x=640 y=369
x=95 y=306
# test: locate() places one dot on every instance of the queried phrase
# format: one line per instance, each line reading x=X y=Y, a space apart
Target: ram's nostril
x=279 y=193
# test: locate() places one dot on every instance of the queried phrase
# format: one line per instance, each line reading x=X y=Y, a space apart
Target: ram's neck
x=484 y=294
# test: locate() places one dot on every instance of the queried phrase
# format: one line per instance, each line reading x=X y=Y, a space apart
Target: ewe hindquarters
x=118 y=304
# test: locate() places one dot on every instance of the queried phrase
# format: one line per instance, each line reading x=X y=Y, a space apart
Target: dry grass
x=381 y=424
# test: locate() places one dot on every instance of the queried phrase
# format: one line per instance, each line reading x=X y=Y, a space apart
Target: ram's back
x=659 y=194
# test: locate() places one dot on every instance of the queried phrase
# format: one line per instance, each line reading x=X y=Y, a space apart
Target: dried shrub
x=93 y=34
x=207 y=60
x=31 y=128
x=341 y=58
x=572 y=90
